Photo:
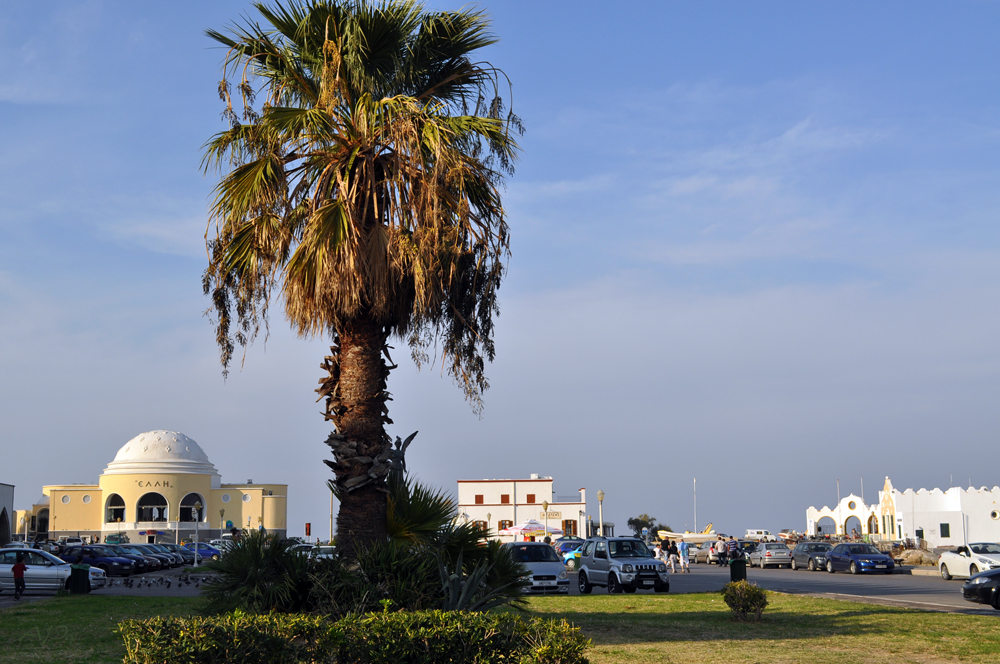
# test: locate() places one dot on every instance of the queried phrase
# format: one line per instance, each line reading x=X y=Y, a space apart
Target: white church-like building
x=940 y=518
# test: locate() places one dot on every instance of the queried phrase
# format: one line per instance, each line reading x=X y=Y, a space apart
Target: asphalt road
x=919 y=592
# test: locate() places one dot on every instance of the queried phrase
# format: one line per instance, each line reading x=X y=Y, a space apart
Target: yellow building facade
x=159 y=486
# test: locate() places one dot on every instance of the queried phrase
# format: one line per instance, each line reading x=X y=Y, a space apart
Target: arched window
x=42 y=524
x=151 y=507
x=188 y=508
x=114 y=509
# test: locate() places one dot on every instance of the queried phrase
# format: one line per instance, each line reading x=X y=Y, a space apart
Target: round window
x=226 y=498
x=851 y=505
x=65 y=499
x=86 y=500
x=995 y=515
x=246 y=497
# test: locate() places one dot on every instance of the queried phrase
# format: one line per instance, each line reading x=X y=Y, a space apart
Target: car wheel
x=854 y=567
x=812 y=565
x=584 y=587
x=570 y=564
x=829 y=567
x=104 y=567
x=628 y=590
x=614 y=588
x=215 y=557
x=793 y=565
x=996 y=600
x=945 y=574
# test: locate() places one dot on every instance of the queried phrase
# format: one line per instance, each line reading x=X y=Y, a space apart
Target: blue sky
x=753 y=243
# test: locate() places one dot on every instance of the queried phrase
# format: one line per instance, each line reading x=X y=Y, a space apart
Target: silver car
x=620 y=564
x=44 y=571
x=810 y=555
x=770 y=554
x=546 y=570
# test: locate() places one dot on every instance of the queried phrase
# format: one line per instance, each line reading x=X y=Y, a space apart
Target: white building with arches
x=157 y=488
x=940 y=518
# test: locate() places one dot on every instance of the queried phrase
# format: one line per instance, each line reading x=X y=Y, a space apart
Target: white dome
x=161 y=452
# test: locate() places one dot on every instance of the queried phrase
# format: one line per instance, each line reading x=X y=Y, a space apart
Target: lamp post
x=194 y=515
x=488 y=515
x=545 y=509
x=222 y=522
x=600 y=511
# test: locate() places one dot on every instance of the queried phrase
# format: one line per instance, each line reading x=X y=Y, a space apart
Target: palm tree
x=361 y=178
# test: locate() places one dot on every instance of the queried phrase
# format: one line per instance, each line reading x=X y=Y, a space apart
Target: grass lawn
x=643 y=629
x=77 y=628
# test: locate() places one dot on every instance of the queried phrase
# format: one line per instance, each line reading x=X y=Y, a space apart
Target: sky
x=752 y=243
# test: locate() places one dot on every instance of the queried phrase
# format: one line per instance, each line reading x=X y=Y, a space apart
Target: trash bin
x=79 y=579
x=738 y=569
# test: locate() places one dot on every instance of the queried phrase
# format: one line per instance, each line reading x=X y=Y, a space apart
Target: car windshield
x=524 y=553
x=985 y=548
x=818 y=547
x=863 y=549
x=774 y=547
x=628 y=549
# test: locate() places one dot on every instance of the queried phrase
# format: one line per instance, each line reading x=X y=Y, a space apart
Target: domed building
x=158 y=487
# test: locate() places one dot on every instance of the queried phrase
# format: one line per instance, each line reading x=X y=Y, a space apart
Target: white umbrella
x=531 y=527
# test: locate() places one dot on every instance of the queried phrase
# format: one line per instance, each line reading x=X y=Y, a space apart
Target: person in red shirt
x=18 y=570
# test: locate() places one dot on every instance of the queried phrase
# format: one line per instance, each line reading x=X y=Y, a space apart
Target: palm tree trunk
x=356 y=404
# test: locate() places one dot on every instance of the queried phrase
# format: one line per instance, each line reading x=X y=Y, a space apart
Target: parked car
x=759 y=535
x=983 y=588
x=186 y=555
x=857 y=558
x=143 y=564
x=810 y=555
x=69 y=541
x=705 y=553
x=176 y=560
x=204 y=550
x=769 y=554
x=568 y=543
x=969 y=560
x=325 y=552
x=98 y=556
x=620 y=564
x=116 y=538
x=546 y=571
x=571 y=555
x=307 y=549
x=45 y=571
x=163 y=561
x=221 y=544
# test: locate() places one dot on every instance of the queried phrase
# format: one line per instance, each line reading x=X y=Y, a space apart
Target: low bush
x=747 y=600
x=423 y=637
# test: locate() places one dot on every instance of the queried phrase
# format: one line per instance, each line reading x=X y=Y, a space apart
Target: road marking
x=951 y=608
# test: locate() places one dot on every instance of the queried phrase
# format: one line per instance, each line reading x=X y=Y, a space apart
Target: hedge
x=420 y=637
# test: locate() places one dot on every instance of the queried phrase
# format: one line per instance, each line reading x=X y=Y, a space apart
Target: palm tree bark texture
x=361 y=177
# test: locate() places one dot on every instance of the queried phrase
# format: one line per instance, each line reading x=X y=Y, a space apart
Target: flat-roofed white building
x=499 y=504
x=6 y=512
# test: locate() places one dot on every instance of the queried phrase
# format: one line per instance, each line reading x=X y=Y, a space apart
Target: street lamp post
x=194 y=514
x=600 y=511
x=222 y=522
x=545 y=509
x=488 y=516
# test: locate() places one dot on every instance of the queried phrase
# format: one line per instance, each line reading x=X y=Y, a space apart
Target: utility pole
x=696 y=504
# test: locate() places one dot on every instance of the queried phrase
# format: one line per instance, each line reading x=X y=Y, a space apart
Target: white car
x=45 y=571
x=963 y=562
x=545 y=569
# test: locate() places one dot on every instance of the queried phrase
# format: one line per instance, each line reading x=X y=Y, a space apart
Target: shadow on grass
x=615 y=628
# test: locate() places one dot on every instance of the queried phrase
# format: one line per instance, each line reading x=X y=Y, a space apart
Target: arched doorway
x=114 y=509
x=42 y=524
x=152 y=507
x=852 y=527
x=826 y=526
x=188 y=508
x=873 y=525
x=4 y=527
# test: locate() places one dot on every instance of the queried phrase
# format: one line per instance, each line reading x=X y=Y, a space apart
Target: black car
x=810 y=555
x=166 y=562
x=98 y=556
x=142 y=563
x=186 y=554
x=984 y=588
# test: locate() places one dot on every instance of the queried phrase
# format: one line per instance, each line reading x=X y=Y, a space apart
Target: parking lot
x=901 y=589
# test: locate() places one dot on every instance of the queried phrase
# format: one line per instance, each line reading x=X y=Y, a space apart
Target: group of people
x=673 y=554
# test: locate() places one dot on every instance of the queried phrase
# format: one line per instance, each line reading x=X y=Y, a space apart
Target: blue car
x=100 y=557
x=204 y=550
x=857 y=558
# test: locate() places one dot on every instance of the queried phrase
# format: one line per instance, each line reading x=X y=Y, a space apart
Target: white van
x=759 y=536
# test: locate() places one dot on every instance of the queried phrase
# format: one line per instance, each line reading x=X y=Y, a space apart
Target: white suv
x=620 y=564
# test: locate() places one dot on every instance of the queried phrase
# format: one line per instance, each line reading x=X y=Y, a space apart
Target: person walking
x=720 y=551
x=672 y=553
x=682 y=551
x=732 y=549
x=18 y=569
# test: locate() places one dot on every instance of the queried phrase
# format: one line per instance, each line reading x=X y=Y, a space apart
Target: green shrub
x=747 y=600
x=380 y=638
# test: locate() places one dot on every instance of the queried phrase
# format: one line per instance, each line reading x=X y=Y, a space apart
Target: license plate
x=647 y=583
x=880 y=566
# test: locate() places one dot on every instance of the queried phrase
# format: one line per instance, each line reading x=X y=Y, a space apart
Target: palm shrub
x=258 y=573
x=746 y=600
